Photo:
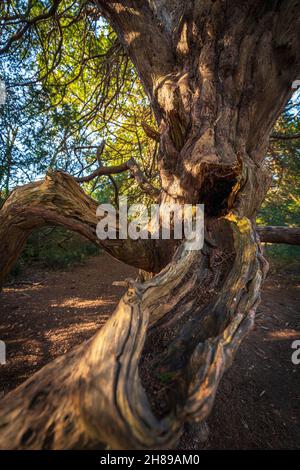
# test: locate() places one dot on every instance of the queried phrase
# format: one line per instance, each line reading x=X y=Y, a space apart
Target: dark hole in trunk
x=215 y=195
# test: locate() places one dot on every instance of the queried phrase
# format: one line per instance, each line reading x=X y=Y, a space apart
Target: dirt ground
x=44 y=314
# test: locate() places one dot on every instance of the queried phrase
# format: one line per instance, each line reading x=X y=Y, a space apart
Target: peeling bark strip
x=217 y=73
x=93 y=394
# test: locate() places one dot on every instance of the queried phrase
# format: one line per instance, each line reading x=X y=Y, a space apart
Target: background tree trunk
x=289 y=235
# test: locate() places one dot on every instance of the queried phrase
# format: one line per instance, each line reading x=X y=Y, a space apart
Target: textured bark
x=217 y=74
x=288 y=235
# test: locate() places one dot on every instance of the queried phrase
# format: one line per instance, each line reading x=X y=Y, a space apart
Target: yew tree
x=217 y=74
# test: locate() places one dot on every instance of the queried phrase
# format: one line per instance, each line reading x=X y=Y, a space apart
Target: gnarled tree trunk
x=217 y=74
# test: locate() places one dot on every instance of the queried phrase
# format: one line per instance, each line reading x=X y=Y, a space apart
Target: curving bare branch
x=59 y=200
x=135 y=171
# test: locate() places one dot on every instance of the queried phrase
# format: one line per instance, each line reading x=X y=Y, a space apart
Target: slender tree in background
x=217 y=75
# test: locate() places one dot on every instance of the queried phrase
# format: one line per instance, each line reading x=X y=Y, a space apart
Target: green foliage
x=282 y=204
x=284 y=259
x=70 y=85
x=54 y=249
x=82 y=90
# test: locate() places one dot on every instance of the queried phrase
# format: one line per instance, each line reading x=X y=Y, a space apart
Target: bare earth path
x=258 y=402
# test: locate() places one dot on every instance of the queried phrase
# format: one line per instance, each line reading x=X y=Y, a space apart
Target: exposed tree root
x=93 y=397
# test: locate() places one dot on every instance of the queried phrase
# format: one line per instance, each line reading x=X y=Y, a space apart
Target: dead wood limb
x=273 y=234
x=92 y=397
x=59 y=200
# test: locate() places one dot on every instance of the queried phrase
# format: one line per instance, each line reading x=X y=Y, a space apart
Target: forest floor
x=44 y=314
